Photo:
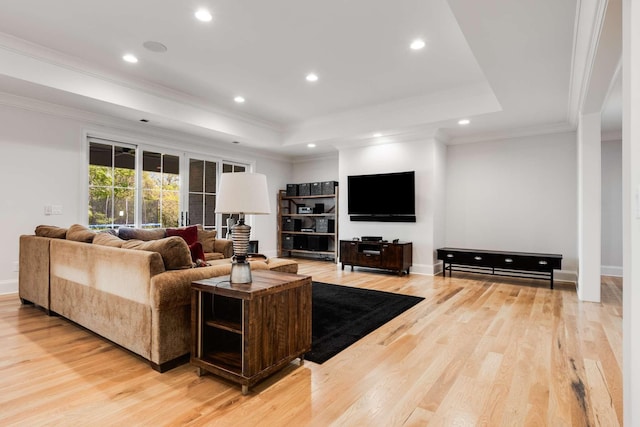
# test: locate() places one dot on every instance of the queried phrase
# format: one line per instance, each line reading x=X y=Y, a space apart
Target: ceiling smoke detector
x=154 y=46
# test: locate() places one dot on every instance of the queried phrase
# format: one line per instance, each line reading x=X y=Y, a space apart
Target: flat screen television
x=388 y=197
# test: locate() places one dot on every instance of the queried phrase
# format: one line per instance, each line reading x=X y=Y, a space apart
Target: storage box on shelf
x=307 y=223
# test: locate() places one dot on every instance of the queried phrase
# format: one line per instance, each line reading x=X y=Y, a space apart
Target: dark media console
x=396 y=256
x=516 y=264
x=383 y=218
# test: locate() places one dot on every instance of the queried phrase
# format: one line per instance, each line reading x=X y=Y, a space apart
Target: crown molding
x=314 y=158
x=134 y=132
x=589 y=21
x=514 y=133
x=428 y=110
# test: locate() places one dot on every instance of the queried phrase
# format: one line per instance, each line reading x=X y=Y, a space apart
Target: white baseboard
x=8 y=287
x=565 y=276
x=425 y=269
x=611 y=270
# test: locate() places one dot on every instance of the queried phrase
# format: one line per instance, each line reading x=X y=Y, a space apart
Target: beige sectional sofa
x=128 y=296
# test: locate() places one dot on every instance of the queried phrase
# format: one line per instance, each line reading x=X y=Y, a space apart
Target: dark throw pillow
x=189 y=234
x=197 y=254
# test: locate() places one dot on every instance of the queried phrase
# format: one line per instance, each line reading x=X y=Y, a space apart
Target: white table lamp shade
x=243 y=192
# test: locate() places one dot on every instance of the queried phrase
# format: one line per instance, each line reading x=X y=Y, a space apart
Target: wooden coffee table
x=246 y=332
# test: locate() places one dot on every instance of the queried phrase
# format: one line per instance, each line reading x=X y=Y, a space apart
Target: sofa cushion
x=51 y=231
x=208 y=239
x=108 y=239
x=174 y=251
x=212 y=256
x=80 y=233
x=282 y=265
x=127 y=233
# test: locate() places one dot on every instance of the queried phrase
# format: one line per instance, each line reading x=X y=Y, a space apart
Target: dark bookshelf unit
x=308 y=225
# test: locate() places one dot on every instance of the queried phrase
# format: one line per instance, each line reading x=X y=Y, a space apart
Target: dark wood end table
x=244 y=333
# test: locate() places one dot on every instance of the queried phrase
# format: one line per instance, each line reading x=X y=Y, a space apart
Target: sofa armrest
x=173 y=288
x=33 y=279
x=224 y=246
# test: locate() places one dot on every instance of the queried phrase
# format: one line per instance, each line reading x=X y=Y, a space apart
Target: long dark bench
x=514 y=264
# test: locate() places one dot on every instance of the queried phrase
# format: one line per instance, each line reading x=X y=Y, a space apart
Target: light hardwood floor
x=479 y=350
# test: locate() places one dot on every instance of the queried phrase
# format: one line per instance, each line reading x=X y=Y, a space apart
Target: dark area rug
x=341 y=315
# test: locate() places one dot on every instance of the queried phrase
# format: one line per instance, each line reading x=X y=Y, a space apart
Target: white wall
x=589 y=141
x=439 y=189
x=39 y=165
x=398 y=157
x=264 y=227
x=42 y=162
x=324 y=168
x=515 y=195
x=631 y=210
x=612 y=208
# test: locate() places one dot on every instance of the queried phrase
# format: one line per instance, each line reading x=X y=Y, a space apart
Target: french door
x=202 y=190
x=150 y=187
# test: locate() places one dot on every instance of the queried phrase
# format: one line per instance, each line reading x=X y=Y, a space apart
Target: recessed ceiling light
x=203 y=15
x=417 y=44
x=239 y=99
x=312 y=145
x=464 y=122
x=154 y=46
x=130 y=58
x=377 y=135
x=311 y=77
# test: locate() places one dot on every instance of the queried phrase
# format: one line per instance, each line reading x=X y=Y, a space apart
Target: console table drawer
x=524 y=263
x=467 y=258
x=368 y=259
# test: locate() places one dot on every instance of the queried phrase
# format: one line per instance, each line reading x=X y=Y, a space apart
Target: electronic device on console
x=305 y=210
x=371 y=238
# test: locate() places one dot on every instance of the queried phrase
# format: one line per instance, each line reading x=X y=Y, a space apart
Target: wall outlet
x=48 y=209
x=56 y=210
x=16 y=266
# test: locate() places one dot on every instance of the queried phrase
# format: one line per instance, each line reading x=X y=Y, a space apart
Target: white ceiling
x=506 y=65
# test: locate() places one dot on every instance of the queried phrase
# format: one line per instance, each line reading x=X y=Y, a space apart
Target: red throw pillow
x=189 y=234
x=196 y=252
